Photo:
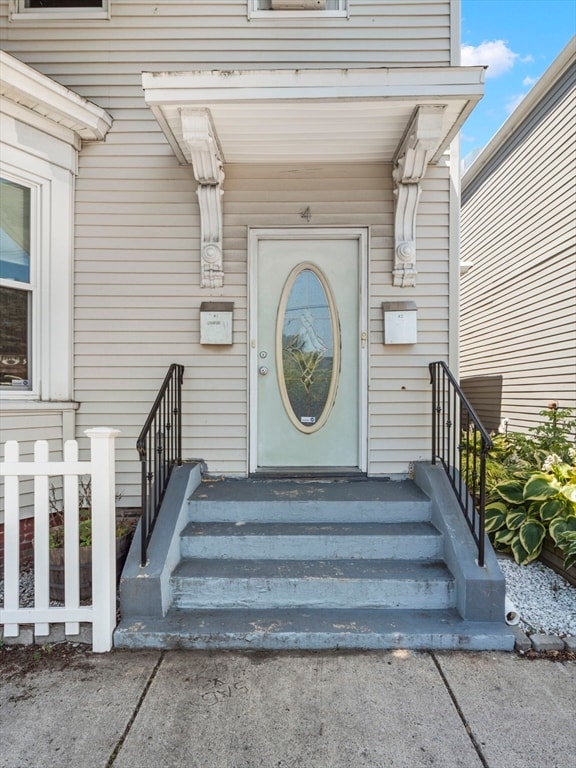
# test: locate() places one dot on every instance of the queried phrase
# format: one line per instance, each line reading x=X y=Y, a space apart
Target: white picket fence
x=102 y=612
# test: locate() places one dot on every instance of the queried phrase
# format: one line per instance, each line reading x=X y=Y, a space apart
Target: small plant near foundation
x=124 y=531
x=56 y=535
x=531 y=486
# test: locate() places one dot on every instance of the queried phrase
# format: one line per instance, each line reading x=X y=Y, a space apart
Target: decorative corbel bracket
x=420 y=142
x=200 y=138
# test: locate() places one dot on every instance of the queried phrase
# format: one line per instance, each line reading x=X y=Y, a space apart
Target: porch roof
x=312 y=115
x=36 y=99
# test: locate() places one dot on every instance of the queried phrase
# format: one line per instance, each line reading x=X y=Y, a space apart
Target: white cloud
x=494 y=54
x=528 y=81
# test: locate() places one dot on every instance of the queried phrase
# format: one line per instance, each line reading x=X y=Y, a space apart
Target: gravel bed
x=26 y=590
x=545 y=601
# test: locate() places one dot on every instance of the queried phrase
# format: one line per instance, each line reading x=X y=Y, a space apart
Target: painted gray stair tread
x=346 y=491
x=241 y=528
x=345 y=569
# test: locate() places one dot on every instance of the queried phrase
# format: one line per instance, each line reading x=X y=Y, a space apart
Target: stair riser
x=307 y=641
x=313 y=547
x=310 y=511
x=195 y=593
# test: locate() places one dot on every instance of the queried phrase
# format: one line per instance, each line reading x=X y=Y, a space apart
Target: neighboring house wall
x=518 y=323
x=137 y=288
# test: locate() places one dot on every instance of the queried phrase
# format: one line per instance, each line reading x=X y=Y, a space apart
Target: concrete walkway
x=186 y=709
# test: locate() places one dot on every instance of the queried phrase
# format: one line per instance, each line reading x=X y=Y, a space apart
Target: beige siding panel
x=518 y=323
x=399 y=388
x=186 y=35
x=26 y=428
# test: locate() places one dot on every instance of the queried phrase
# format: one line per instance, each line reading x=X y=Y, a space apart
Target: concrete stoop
x=300 y=629
x=287 y=564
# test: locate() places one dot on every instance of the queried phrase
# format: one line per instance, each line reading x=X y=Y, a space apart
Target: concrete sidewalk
x=185 y=709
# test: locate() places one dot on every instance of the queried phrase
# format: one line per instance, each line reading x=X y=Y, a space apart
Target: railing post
x=144 y=501
x=432 y=367
x=179 y=416
x=481 y=506
x=103 y=536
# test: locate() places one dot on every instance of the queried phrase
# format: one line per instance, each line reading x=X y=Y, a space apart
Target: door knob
x=262 y=370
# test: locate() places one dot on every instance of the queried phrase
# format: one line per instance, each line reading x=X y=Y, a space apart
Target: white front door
x=308 y=347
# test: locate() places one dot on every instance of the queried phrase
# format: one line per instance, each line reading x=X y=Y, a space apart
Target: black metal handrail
x=160 y=449
x=461 y=444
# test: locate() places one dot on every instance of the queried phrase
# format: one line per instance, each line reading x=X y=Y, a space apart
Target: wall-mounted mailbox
x=400 y=322
x=216 y=322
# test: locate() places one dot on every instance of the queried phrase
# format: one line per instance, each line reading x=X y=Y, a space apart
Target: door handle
x=262 y=370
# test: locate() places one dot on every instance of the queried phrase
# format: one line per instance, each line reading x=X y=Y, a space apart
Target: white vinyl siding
x=181 y=35
x=519 y=298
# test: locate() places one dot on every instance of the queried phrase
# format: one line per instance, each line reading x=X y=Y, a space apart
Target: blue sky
x=518 y=39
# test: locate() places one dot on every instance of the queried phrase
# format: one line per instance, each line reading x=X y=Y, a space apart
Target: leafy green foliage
x=531 y=488
x=56 y=533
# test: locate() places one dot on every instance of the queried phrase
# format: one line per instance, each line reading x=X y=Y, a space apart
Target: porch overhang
x=36 y=100
x=406 y=117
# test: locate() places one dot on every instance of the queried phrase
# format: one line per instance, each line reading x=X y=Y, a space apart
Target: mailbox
x=216 y=322
x=400 y=323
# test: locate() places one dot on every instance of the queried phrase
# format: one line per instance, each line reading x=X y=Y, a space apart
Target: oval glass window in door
x=307 y=348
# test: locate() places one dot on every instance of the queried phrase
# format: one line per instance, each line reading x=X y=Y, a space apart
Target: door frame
x=255 y=235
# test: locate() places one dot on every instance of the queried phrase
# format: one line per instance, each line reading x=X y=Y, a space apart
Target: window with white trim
x=291 y=8
x=36 y=277
x=16 y=285
x=34 y=10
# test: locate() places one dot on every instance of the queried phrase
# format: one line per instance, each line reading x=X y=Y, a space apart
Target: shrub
x=531 y=488
x=56 y=534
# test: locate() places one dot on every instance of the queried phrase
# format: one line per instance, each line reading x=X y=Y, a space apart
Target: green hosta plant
x=524 y=508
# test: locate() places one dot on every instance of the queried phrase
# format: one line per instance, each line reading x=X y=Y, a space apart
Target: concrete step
x=265 y=584
x=299 y=629
x=292 y=501
x=302 y=564
x=308 y=541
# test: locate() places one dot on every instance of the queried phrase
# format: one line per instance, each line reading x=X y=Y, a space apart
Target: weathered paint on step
x=309 y=501
x=313 y=630
x=302 y=541
x=322 y=583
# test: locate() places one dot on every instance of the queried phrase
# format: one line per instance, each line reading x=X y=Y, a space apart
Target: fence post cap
x=102 y=432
